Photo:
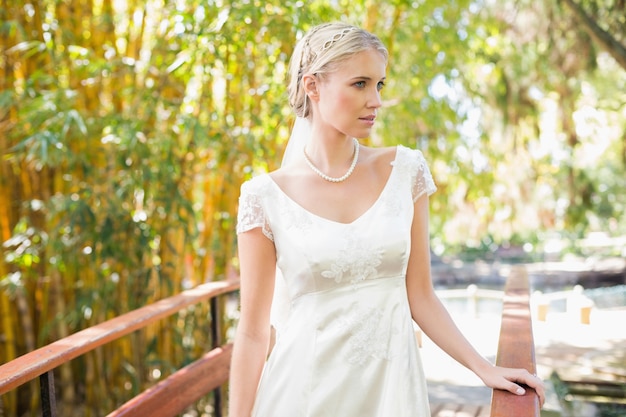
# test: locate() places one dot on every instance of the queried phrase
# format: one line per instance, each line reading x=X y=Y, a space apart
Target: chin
x=358 y=132
x=362 y=134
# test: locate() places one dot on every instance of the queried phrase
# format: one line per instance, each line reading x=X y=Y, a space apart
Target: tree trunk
x=604 y=39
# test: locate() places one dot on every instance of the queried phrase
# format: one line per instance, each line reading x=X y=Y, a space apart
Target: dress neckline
x=393 y=164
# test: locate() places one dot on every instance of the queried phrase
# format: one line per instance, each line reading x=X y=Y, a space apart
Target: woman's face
x=349 y=97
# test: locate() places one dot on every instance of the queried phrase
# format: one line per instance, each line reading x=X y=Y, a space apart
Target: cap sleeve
x=421 y=178
x=251 y=212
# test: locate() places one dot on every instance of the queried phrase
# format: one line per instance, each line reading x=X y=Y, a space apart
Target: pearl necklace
x=335 y=179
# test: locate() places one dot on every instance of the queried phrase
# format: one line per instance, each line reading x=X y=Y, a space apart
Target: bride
x=334 y=253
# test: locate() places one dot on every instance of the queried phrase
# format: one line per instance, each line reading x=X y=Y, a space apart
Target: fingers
x=513 y=388
x=532 y=381
x=514 y=377
x=537 y=384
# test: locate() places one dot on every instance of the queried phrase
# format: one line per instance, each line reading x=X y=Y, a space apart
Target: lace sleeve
x=251 y=213
x=422 y=180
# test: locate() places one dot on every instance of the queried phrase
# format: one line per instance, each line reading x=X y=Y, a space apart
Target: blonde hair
x=320 y=51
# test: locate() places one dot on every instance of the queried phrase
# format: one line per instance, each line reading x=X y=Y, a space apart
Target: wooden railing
x=516 y=347
x=172 y=395
x=183 y=388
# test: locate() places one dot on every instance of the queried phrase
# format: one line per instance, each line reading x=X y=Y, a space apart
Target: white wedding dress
x=348 y=347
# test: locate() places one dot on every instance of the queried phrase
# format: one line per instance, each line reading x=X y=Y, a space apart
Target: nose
x=374 y=101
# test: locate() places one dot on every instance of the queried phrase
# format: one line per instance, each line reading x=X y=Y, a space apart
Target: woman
x=347 y=226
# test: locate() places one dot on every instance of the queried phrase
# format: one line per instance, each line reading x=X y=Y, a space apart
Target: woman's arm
x=257 y=261
x=432 y=317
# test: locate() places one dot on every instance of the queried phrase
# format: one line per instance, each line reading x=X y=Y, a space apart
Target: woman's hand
x=509 y=379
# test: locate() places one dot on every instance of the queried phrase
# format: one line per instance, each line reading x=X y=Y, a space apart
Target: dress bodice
x=316 y=254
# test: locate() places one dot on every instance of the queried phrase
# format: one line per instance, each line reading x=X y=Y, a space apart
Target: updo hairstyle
x=320 y=51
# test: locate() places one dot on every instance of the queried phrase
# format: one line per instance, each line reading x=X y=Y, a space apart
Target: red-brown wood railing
x=516 y=347
x=172 y=395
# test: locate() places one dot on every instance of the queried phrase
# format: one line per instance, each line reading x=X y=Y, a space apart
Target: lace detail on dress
x=412 y=163
x=295 y=219
x=358 y=260
x=369 y=337
x=251 y=213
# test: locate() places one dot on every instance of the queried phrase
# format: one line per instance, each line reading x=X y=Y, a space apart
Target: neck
x=330 y=177
x=330 y=154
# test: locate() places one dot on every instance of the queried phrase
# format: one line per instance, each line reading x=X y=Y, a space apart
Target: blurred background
x=127 y=128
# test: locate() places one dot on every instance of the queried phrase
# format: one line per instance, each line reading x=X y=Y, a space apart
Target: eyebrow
x=362 y=77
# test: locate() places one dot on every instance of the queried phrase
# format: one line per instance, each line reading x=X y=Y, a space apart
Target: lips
x=369 y=118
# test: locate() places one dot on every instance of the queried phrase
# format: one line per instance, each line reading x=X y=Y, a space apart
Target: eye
x=360 y=84
x=380 y=85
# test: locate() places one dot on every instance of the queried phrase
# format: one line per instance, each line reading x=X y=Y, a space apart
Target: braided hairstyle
x=320 y=51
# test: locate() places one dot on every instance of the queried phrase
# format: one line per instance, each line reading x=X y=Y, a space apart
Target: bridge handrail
x=516 y=347
x=42 y=361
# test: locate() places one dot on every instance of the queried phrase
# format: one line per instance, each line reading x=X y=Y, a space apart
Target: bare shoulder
x=286 y=175
x=379 y=158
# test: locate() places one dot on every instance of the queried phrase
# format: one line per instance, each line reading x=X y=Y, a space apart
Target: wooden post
x=541 y=305
x=216 y=338
x=48 y=399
